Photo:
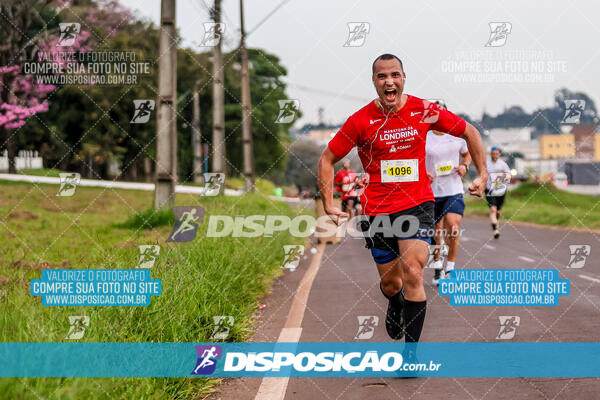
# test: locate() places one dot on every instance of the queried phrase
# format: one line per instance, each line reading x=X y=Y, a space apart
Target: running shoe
x=409 y=356
x=437 y=275
x=394 y=319
x=496 y=233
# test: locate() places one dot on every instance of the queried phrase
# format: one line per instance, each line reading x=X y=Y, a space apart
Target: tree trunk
x=11 y=148
x=90 y=169
x=147 y=169
x=132 y=172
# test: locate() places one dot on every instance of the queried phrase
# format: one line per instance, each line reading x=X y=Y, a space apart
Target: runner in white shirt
x=495 y=192
x=447 y=161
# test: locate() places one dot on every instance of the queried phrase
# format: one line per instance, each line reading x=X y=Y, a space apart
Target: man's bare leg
x=437 y=252
x=494 y=213
x=452 y=226
x=391 y=278
x=391 y=287
x=350 y=209
x=413 y=255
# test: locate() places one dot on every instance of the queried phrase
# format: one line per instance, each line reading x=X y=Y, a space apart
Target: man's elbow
x=471 y=132
x=322 y=161
x=327 y=158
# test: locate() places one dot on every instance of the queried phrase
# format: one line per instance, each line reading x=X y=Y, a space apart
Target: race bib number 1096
x=400 y=170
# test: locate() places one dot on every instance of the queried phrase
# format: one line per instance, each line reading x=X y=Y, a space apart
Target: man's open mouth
x=390 y=94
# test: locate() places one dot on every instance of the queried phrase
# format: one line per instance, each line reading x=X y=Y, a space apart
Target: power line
x=229 y=21
x=203 y=5
x=266 y=17
x=326 y=92
x=209 y=10
x=223 y=13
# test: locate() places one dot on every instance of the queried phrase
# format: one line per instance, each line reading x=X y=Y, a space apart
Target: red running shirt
x=347 y=180
x=392 y=152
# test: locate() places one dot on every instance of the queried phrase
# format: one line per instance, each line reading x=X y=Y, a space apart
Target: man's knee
x=391 y=284
x=412 y=272
x=439 y=230
x=452 y=225
x=454 y=231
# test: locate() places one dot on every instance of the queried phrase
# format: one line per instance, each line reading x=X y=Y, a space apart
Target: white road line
x=526 y=259
x=489 y=247
x=275 y=388
x=465 y=239
x=589 y=278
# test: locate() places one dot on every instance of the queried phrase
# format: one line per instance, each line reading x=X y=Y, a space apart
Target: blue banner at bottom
x=353 y=359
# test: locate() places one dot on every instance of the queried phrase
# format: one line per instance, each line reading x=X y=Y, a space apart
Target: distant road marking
x=275 y=388
x=489 y=247
x=526 y=259
x=589 y=278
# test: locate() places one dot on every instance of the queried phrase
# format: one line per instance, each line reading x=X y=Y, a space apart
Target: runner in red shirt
x=390 y=134
x=345 y=182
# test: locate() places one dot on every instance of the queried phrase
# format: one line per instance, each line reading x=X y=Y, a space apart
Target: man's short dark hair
x=387 y=56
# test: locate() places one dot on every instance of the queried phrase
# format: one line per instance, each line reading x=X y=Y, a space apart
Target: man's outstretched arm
x=326 y=163
x=475 y=145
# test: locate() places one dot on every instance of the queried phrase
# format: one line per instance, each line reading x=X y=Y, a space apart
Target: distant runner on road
x=497 y=184
x=390 y=134
x=447 y=161
x=345 y=182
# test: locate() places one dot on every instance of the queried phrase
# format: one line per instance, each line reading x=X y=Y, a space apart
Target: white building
x=318 y=136
x=513 y=140
x=540 y=168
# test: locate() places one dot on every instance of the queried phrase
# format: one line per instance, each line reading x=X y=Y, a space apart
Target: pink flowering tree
x=29 y=28
x=30 y=97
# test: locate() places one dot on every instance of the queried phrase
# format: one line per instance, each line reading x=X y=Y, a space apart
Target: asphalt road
x=346 y=286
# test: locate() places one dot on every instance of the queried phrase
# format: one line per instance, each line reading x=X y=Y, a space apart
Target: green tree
x=302 y=165
x=87 y=128
x=510 y=158
x=271 y=140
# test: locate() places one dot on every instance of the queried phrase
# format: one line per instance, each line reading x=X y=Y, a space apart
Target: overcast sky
x=550 y=45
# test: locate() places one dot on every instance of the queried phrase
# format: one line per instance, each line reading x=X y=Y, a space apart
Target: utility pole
x=166 y=126
x=197 y=137
x=218 y=136
x=248 y=146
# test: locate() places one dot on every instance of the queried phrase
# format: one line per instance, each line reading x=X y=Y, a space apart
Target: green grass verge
x=94 y=229
x=544 y=204
x=148 y=219
x=263 y=186
x=41 y=172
